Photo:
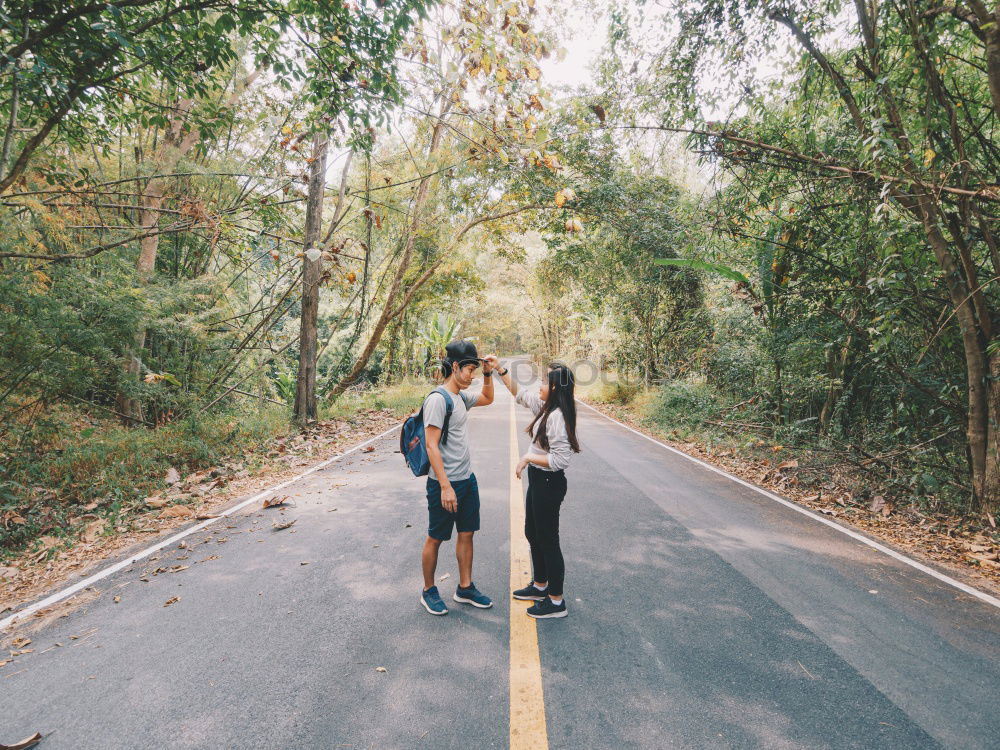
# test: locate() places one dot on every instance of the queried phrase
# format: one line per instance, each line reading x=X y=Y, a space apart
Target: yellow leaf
x=285 y=130
x=560 y=199
x=533 y=72
x=929 y=155
x=42 y=281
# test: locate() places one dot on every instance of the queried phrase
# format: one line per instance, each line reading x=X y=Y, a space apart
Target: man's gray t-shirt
x=455 y=452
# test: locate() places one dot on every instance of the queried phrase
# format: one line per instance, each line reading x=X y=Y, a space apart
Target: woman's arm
x=505 y=375
x=538 y=459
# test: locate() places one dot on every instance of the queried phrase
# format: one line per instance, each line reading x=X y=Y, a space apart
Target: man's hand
x=490 y=363
x=449 y=501
x=521 y=466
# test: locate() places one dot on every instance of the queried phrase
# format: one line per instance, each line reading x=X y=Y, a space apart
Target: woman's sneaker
x=431 y=600
x=472 y=596
x=546 y=609
x=529 y=593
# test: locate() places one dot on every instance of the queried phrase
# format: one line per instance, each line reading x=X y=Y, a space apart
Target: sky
x=583 y=32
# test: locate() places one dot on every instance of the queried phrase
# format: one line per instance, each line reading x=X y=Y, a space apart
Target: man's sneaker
x=431 y=600
x=472 y=596
x=545 y=609
x=530 y=593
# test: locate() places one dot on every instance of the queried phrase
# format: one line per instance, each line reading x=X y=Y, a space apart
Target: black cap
x=462 y=351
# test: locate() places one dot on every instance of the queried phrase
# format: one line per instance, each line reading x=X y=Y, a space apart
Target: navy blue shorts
x=440 y=521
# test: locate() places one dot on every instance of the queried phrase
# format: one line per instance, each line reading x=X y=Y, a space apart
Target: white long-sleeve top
x=559 y=451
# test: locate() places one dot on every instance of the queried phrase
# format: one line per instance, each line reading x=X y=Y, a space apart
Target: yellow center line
x=527 y=704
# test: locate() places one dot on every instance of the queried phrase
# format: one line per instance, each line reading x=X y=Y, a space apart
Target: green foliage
x=59 y=467
x=701 y=265
x=62 y=333
x=684 y=404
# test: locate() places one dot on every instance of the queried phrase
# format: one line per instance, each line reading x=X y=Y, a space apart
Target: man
x=452 y=492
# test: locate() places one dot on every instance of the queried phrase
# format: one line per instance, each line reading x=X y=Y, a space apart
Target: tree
x=919 y=104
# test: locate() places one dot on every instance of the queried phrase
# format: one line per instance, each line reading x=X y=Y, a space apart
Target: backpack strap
x=449 y=408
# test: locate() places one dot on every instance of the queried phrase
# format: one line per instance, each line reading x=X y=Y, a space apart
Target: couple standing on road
x=453 y=494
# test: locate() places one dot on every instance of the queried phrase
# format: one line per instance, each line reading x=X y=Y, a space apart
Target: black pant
x=546 y=491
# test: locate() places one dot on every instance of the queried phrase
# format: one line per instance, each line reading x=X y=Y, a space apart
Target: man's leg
x=429 y=558
x=463 y=551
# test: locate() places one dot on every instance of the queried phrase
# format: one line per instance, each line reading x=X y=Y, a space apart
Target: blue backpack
x=412 y=438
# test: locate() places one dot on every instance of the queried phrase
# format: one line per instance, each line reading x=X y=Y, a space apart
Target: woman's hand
x=521 y=466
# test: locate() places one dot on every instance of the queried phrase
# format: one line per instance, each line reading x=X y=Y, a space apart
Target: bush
x=619 y=392
x=684 y=404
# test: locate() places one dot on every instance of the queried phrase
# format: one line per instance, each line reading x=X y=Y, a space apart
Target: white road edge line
x=982 y=595
x=79 y=585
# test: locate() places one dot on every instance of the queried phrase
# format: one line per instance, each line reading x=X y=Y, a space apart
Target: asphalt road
x=702 y=615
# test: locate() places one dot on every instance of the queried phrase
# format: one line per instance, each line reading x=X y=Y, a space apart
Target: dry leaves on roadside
x=156 y=501
x=171 y=600
x=279 y=525
x=274 y=502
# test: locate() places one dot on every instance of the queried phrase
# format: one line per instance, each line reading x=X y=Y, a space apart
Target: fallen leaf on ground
x=792 y=464
x=7 y=571
x=446 y=575
x=173 y=476
x=117 y=599
x=279 y=525
x=177 y=568
x=381 y=669
x=91 y=531
x=25 y=743
x=177 y=511
x=20 y=642
x=369 y=449
x=156 y=501
x=206 y=516
x=274 y=502
x=171 y=600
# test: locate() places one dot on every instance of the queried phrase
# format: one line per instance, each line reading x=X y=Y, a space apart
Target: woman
x=553 y=443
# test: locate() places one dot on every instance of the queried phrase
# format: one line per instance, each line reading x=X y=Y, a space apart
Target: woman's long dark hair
x=561 y=388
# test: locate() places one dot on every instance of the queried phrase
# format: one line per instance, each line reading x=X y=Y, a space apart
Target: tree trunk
x=312 y=272
x=172 y=150
x=390 y=360
x=836 y=366
x=389 y=309
x=176 y=145
x=982 y=396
